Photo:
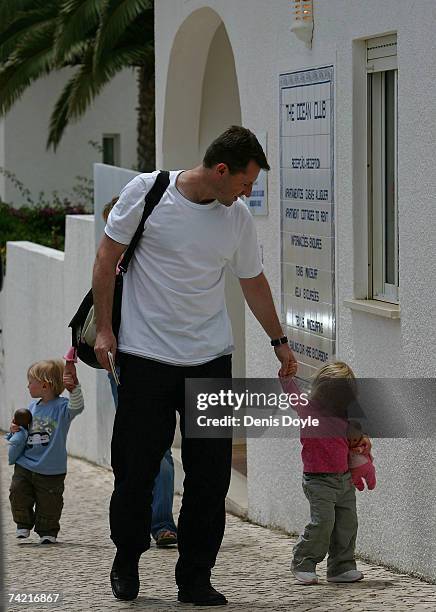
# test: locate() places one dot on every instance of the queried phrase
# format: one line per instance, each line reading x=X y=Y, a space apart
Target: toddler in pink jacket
x=327 y=450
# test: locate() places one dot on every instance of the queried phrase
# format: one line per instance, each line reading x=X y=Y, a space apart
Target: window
x=382 y=167
x=111 y=149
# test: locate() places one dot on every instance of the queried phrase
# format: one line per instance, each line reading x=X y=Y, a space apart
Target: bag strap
x=152 y=198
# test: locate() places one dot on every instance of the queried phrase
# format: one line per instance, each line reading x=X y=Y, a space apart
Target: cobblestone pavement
x=252 y=568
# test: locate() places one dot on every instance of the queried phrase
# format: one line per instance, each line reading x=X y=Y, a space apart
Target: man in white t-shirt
x=174 y=325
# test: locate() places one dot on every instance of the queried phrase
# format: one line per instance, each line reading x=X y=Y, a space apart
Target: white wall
x=108 y=182
x=34 y=313
x=2 y=355
x=395 y=519
x=84 y=439
x=42 y=291
x=2 y=157
x=25 y=130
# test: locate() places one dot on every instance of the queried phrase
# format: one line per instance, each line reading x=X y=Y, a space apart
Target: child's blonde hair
x=108 y=207
x=335 y=385
x=337 y=369
x=50 y=371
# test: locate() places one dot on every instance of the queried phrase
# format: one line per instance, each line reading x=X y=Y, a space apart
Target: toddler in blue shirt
x=39 y=452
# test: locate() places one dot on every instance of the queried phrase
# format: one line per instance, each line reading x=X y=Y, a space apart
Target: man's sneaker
x=22 y=533
x=47 y=539
x=350 y=576
x=201 y=595
x=305 y=577
x=166 y=538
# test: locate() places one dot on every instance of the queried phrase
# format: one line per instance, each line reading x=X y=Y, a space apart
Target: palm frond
x=99 y=37
x=10 y=8
x=59 y=116
x=24 y=24
x=89 y=83
x=31 y=60
x=116 y=19
x=78 y=22
x=84 y=87
x=139 y=32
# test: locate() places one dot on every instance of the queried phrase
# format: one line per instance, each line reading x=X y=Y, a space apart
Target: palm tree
x=96 y=37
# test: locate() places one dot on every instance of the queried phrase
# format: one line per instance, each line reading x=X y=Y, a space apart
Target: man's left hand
x=287 y=359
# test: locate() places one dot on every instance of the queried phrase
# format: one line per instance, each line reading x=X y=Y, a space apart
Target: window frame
x=116 y=148
x=381 y=59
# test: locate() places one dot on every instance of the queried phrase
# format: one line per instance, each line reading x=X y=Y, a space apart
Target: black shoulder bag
x=83 y=323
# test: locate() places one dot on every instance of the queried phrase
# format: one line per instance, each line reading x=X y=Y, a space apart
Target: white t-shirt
x=173 y=307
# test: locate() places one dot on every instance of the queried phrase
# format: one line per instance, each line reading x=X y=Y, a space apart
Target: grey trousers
x=333 y=524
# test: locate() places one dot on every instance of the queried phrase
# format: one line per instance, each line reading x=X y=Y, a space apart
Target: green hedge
x=43 y=224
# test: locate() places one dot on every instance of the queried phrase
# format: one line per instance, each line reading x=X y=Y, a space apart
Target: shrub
x=43 y=223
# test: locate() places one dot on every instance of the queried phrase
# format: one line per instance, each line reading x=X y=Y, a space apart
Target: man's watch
x=279 y=341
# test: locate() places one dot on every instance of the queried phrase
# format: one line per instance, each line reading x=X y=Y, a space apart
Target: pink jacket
x=324 y=448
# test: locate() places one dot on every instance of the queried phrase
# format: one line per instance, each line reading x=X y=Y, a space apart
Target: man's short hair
x=236 y=147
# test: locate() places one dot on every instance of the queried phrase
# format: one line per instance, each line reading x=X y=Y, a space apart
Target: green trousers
x=36 y=500
x=333 y=524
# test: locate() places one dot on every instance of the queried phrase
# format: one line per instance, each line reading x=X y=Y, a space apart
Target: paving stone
x=252 y=568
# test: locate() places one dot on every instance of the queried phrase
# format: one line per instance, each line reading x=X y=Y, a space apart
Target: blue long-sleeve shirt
x=44 y=448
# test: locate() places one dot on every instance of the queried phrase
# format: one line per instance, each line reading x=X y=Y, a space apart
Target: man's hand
x=108 y=254
x=14 y=427
x=364 y=447
x=105 y=341
x=287 y=359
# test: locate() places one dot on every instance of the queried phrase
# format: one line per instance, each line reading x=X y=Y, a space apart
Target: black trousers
x=145 y=421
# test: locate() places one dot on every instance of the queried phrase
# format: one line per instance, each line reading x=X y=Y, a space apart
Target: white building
x=351 y=131
x=347 y=240
x=110 y=121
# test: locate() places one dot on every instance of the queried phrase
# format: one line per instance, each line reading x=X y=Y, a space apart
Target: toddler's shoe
x=350 y=576
x=47 y=539
x=305 y=577
x=22 y=533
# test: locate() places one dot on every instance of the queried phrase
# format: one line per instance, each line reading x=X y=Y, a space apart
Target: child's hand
x=70 y=376
x=364 y=447
x=69 y=383
x=70 y=369
x=292 y=368
x=290 y=372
